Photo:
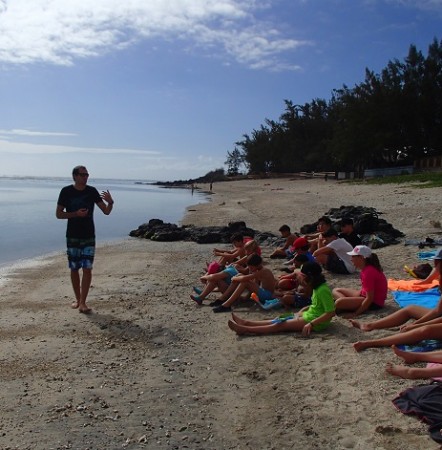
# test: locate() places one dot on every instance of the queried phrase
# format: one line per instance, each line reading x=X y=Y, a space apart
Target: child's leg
x=344 y=292
x=413 y=357
x=413 y=373
x=408 y=337
x=349 y=303
x=393 y=320
x=240 y=321
x=240 y=288
x=289 y=325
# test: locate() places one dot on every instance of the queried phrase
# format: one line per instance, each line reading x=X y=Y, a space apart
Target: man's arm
x=108 y=206
x=60 y=213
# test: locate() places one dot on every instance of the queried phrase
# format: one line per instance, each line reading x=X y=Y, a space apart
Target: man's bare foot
x=75 y=305
x=360 y=326
x=360 y=345
x=235 y=327
x=85 y=310
x=397 y=370
x=408 y=357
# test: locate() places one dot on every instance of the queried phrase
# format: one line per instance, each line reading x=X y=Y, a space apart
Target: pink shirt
x=374 y=280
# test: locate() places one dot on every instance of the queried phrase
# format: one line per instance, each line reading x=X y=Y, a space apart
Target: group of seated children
x=305 y=287
x=241 y=270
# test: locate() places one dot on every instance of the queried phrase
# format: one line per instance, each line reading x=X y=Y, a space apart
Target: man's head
x=80 y=173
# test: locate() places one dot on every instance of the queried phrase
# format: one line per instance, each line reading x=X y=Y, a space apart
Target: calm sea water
x=29 y=228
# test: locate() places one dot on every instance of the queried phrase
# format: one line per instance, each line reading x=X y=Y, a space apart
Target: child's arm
x=434 y=275
x=322 y=318
x=242 y=278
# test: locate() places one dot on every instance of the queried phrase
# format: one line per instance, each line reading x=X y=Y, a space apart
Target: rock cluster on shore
x=374 y=231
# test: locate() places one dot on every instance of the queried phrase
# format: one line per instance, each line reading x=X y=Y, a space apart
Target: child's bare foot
x=235 y=327
x=75 y=305
x=360 y=345
x=84 y=309
x=408 y=357
x=238 y=320
x=397 y=370
x=360 y=326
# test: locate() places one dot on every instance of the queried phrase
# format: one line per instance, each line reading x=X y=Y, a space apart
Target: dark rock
x=374 y=232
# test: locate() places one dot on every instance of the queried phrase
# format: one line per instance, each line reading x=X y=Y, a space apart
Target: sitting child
x=315 y=317
x=284 y=252
x=291 y=290
x=260 y=281
x=227 y=256
x=374 y=287
x=332 y=253
x=222 y=280
x=301 y=246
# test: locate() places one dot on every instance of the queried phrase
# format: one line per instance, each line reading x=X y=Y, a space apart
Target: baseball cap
x=362 y=250
x=300 y=242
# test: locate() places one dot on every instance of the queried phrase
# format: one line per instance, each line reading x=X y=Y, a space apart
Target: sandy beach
x=150 y=369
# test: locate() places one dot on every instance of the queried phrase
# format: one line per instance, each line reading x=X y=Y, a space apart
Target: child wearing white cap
x=374 y=284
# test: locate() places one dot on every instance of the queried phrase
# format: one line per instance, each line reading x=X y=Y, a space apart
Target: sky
x=162 y=89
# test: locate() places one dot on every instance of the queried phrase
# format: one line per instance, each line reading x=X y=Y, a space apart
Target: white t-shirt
x=340 y=246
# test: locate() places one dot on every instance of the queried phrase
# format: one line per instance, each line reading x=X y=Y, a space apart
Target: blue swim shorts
x=81 y=253
x=264 y=294
x=231 y=272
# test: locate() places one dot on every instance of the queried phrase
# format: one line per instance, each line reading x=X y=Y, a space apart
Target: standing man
x=76 y=204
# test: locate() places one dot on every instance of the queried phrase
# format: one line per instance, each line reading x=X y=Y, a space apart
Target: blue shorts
x=81 y=253
x=231 y=272
x=264 y=294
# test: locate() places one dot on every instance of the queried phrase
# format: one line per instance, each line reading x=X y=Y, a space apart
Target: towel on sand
x=410 y=285
x=428 y=298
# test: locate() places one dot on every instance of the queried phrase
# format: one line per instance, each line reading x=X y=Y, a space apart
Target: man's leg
x=75 y=279
x=86 y=281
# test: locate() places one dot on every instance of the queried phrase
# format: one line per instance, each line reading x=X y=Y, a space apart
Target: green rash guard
x=322 y=302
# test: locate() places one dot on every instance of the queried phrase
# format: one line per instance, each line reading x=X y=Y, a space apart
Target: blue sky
x=162 y=89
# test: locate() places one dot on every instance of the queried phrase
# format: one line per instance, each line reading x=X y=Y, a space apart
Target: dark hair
x=301 y=258
x=346 y=221
x=330 y=232
x=284 y=228
x=254 y=260
x=76 y=170
x=373 y=260
x=325 y=219
x=236 y=237
x=313 y=272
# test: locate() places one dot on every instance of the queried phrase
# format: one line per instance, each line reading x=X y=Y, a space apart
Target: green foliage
x=421 y=180
x=391 y=118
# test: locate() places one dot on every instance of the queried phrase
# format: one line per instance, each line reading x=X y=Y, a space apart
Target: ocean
x=29 y=228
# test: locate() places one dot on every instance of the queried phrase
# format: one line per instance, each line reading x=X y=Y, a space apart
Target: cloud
x=26 y=148
x=60 y=32
x=30 y=133
x=48 y=160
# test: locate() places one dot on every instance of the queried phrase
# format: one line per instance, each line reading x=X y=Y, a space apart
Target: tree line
x=390 y=119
